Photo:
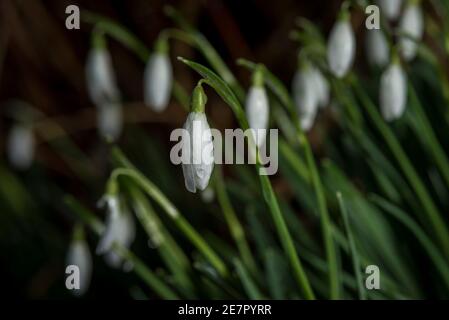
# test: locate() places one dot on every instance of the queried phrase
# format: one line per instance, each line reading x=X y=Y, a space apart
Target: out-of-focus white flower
x=377 y=50
x=306 y=96
x=257 y=112
x=390 y=8
x=100 y=77
x=322 y=87
x=119 y=229
x=158 y=81
x=79 y=255
x=110 y=120
x=20 y=146
x=341 y=47
x=197 y=146
x=393 y=92
x=412 y=26
x=208 y=195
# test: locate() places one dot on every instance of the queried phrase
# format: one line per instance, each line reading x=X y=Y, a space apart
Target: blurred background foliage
x=43 y=63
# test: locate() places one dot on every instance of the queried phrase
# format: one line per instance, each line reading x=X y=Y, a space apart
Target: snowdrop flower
x=257 y=108
x=208 y=195
x=100 y=77
x=341 y=46
x=110 y=120
x=79 y=255
x=119 y=229
x=412 y=25
x=158 y=78
x=197 y=145
x=393 y=92
x=391 y=8
x=377 y=50
x=305 y=95
x=321 y=87
x=20 y=146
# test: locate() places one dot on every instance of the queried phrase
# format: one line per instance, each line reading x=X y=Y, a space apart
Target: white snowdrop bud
x=110 y=120
x=208 y=195
x=322 y=87
x=257 y=108
x=377 y=50
x=100 y=77
x=305 y=95
x=393 y=92
x=412 y=26
x=341 y=46
x=20 y=146
x=158 y=78
x=390 y=8
x=119 y=229
x=197 y=145
x=79 y=255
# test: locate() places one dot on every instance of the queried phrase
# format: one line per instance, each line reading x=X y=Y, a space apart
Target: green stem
x=170 y=210
x=235 y=227
x=432 y=214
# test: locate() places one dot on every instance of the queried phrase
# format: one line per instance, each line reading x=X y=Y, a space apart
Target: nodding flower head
x=257 y=108
x=79 y=256
x=390 y=8
x=20 y=146
x=110 y=120
x=412 y=27
x=100 y=77
x=341 y=46
x=377 y=50
x=197 y=145
x=158 y=78
x=306 y=95
x=119 y=229
x=393 y=91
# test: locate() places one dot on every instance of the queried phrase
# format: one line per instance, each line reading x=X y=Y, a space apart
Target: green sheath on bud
x=161 y=45
x=257 y=77
x=199 y=99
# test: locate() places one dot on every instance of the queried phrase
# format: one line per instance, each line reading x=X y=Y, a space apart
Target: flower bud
x=119 y=229
x=20 y=146
x=306 y=96
x=110 y=120
x=100 y=77
x=257 y=109
x=197 y=145
x=412 y=26
x=393 y=92
x=79 y=255
x=158 y=78
x=390 y=8
x=377 y=50
x=341 y=47
x=321 y=87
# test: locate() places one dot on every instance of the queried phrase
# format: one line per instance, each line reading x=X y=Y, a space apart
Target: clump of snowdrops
x=376 y=195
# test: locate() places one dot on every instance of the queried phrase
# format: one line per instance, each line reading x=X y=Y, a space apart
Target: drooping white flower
x=322 y=87
x=100 y=77
x=20 y=146
x=412 y=26
x=306 y=96
x=377 y=50
x=208 y=195
x=79 y=255
x=198 y=149
x=341 y=47
x=158 y=81
x=257 y=112
x=110 y=120
x=119 y=229
x=390 y=8
x=393 y=92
